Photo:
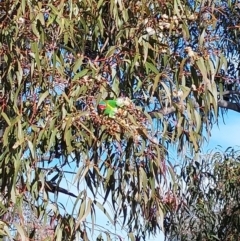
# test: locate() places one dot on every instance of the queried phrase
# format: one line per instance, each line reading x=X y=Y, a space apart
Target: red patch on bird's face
x=102 y=106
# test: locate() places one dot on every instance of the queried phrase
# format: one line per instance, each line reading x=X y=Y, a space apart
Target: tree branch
x=221 y=103
x=229 y=105
x=163 y=111
x=231 y=92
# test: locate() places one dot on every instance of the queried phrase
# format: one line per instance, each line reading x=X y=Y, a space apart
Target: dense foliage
x=209 y=199
x=174 y=62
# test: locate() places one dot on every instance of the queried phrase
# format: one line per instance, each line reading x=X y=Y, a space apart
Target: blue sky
x=227 y=134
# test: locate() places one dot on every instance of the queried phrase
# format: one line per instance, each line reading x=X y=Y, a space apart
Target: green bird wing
x=111 y=103
x=111 y=108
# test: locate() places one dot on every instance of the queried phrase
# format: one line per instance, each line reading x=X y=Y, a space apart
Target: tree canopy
x=174 y=66
x=209 y=198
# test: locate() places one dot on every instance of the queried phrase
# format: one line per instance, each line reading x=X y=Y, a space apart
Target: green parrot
x=110 y=107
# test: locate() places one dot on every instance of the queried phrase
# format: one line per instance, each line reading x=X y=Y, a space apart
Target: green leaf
x=77 y=65
x=111 y=51
x=186 y=91
x=6 y=118
x=99 y=4
x=143 y=178
x=156 y=83
x=93 y=218
x=59 y=234
x=151 y=67
x=19 y=74
x=104 y=211
x=215 y=98
x=35 y=49
x=21 y=231
x=80 y=74
x=86 y=213
x=115 y=86
x=20 y=131
x=168 y=94
x=23 y=5
x=203 y=70
x=131 y=236
x=202 y=37
x=108 y=236
x=40 y=17
x=36 y=32
x=145 y=51
x=198 y=121
x=42 y=98
x=160 y=216
x=82 y=208
x=31 y=147
x=52 y=138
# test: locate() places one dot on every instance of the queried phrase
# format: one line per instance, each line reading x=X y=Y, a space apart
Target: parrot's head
x=102 y=106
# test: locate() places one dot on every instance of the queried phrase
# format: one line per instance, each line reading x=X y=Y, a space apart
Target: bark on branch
x=221 y=103
x=231 y=92
x=229 y=105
